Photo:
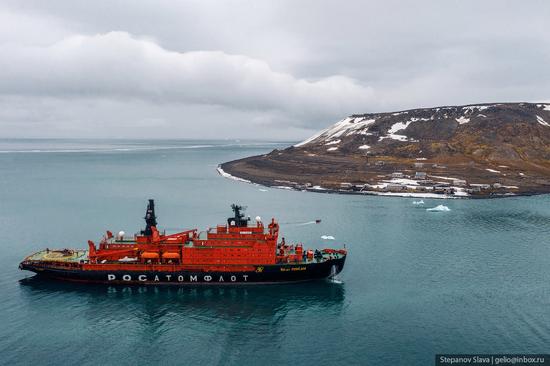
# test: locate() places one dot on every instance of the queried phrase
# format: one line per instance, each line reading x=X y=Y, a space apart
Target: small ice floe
x=421 y=202
x=439 y=208
x=327 y=237
x=263 y=190
x=492 y=170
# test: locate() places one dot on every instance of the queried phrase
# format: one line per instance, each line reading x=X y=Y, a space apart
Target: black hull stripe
x=267 y=275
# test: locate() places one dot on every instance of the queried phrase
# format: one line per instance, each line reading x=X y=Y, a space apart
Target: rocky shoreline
x=277 y=184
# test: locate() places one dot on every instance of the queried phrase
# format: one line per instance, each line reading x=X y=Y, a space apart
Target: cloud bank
x=117 y=65
x=270 y=70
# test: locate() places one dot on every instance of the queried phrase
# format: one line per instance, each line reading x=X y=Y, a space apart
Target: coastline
x=319 y=189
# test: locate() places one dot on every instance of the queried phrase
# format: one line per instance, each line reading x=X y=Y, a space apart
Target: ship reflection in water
x=269 y=303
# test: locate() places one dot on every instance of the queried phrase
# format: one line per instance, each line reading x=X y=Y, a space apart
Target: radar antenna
x=238 y=220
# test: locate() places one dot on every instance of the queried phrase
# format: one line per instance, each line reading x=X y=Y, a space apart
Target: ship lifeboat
x=170 y=256
x=149 y=255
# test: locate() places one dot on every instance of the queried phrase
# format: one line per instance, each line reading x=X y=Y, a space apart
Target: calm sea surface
x=416 y=283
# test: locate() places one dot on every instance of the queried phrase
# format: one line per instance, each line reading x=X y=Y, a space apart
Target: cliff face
x=503 y=143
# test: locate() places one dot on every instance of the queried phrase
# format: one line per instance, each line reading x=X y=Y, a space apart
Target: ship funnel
x=150 y=218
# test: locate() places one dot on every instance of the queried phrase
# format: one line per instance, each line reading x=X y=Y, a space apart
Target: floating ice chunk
x=263 y=190
x=492 y=170
x=439 y=208
x=327 y=237
x=421 y=202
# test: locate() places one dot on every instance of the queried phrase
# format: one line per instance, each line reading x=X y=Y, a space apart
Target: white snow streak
x=229 y=176
x=542 y=121
x=462 y=120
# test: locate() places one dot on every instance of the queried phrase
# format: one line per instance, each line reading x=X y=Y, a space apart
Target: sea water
x=475 y=279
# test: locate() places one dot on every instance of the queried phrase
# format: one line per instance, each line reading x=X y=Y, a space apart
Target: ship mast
x=150 y=218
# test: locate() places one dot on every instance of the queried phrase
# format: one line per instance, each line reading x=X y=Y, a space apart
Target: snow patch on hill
x=359 y=125
x=542 y=121
x=462 y=120
x=346 y=127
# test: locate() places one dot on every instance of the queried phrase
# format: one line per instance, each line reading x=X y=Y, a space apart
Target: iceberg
x=439 y=208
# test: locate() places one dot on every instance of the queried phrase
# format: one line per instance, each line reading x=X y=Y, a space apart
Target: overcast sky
x=276 y=70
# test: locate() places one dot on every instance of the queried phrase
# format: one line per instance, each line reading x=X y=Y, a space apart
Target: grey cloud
x=277 y=68
x=118 y=65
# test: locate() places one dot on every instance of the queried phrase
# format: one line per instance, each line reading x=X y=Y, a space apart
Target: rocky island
x=483 y=150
